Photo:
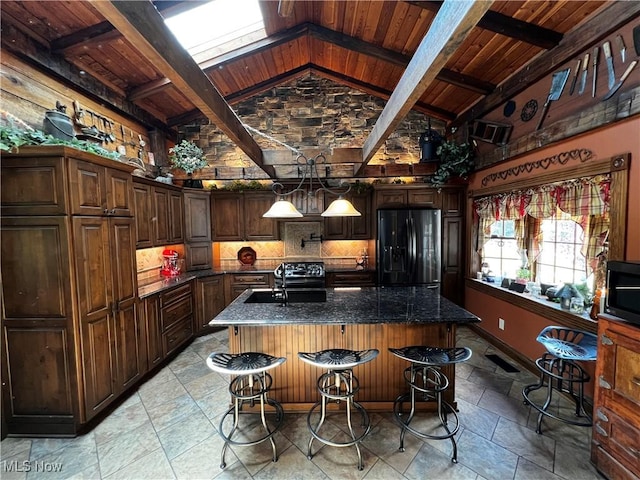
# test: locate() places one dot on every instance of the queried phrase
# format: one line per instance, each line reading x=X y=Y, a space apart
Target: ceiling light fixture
x=283 y=208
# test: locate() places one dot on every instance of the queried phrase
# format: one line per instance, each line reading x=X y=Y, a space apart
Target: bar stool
x=338 y=384
x=251 y=384
x=560 y=372
x=424 y=376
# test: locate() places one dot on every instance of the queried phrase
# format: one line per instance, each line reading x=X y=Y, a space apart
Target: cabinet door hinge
x=605 y=340
x=603 y=383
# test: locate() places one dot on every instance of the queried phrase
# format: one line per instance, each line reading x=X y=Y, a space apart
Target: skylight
x=218 y=26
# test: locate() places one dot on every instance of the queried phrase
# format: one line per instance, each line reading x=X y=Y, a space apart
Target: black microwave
x=623 y=290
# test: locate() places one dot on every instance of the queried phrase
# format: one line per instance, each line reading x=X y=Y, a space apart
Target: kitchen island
x=351 y=318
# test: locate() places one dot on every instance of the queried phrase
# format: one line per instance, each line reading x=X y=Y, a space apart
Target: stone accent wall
x=309 y=112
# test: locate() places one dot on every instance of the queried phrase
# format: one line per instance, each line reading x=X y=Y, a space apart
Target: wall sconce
x=285 y=209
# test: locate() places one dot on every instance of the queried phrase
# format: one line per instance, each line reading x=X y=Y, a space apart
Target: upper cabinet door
x=256 y=227
x=87 y=184
x=99 y=191
x=119 y=193
x=143 y=215
x=176 y=217
x=160 y=202
x=227 y=223
x=197 y=216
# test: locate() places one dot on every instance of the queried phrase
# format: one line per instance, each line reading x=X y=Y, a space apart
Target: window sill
x=539 y=306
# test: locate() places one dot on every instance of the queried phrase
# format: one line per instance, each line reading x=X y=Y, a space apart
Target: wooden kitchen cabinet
x=237 y=216
x=111 y=343
x=150 y=311
x=236 y=283
x=209 y=301
x=615 y=450
x=355 y=278
x=176 y=317
x=79 y=321
x=395 y=196
x=349 y=228
x=97 y=190
x=158 y=212
x=197 y=214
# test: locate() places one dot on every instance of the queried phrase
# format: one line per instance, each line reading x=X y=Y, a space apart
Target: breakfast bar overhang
x=350 y=318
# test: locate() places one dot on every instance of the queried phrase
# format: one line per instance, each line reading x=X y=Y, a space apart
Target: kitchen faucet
x=282 y=294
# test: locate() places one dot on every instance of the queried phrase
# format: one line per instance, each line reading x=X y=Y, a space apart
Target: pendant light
x=285 y=209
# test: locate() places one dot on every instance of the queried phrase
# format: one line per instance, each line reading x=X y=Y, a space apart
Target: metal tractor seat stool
x=337 y=385
x=560 y=372
x=250 y=386
x=427 y=380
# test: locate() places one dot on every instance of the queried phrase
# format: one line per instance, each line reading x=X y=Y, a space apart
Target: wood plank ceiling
x=364 y=44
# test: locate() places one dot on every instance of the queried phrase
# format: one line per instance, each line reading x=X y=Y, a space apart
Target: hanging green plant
x=187 y=156
x=456 y=160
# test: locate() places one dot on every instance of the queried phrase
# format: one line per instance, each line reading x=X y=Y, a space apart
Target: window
x=217 y=27
x=551 y=230
x=501 y=251
x=560 y=259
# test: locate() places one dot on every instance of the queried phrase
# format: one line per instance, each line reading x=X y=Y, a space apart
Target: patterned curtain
x=585 y=199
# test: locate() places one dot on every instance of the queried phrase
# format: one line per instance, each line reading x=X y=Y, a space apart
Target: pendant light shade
x=282 y=209
x=285 y=209
x=341 y=208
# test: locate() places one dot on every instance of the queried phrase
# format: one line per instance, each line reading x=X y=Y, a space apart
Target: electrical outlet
x=501 y=323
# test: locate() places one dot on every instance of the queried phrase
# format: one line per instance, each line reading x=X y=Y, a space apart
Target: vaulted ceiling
x=451 y=60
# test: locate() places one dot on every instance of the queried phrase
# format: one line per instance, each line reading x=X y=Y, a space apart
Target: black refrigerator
x=408 y=248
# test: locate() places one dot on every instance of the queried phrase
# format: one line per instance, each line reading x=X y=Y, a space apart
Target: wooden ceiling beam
x=360 y=46
x=26 y=48
x=330 y=36
x=289 y=35
x=142 y=25
x=510 y=27
x=452 y=24
x=104 y=31
x=609 y=19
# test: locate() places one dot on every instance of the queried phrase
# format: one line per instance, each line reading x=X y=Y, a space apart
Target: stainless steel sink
x=293 y=296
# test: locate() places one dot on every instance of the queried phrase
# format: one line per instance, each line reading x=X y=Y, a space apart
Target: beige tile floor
x=167 y=429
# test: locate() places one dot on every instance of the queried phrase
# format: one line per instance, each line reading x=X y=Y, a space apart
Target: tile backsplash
x=269 y=254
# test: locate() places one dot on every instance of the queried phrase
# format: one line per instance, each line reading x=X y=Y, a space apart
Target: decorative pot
x=58 y=124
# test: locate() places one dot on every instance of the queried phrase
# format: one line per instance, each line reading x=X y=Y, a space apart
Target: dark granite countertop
x=365 y=305
x=160 y=284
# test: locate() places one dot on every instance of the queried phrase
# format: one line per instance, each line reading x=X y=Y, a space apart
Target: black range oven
x=300 y=275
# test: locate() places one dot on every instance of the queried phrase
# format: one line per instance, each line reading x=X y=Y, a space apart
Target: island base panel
x=381 y=381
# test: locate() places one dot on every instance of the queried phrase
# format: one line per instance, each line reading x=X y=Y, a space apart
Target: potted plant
x=188 y=157
x=456 y=160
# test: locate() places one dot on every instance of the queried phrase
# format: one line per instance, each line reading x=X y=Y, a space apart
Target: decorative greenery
x=361 y=187
x=12 y=138
x=523 y=273
x=239 y=186
x=456 y=160
x=187 y=156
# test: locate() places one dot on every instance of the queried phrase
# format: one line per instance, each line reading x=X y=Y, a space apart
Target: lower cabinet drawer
x=619 y=436
x=363 y=279
x=176 y=311
x=177 y=336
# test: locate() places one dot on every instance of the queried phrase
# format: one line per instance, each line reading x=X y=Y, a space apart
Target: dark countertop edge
x=468 y=318
x=161 y=284
x=158 y=285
